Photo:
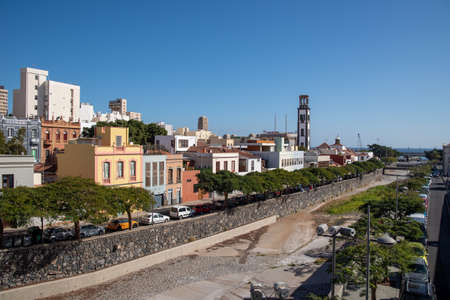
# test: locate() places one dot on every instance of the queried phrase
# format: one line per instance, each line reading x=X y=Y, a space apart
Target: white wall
x=288 y=160
x=25 y=105
x=192 y=141
x=61 y=103
x=86 y=112
x=228 y=157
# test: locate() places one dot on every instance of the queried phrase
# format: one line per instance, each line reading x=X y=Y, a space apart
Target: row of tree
x=385 y=218
x=71 y=198
x=140 y=133
x=279 y=180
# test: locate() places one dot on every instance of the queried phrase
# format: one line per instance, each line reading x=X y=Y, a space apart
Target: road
x=438 y=238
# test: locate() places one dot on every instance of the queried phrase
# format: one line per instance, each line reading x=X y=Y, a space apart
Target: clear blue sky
x=381 y=68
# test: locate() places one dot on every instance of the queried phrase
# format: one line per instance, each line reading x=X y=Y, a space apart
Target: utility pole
x=368 y=253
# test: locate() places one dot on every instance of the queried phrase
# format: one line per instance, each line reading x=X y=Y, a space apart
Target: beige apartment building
x=3 y=101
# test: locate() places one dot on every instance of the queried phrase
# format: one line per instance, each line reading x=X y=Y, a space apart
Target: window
x=302 y=118
x=35 y=97
x=10 y=132
x=154 y=173
x=120 y=169
x=170 y=176
x=147 y=174
x=161 y=172
x=252 y=166
x=47 y=153
x=118 y=140
x=106 y=170
x=302 y=132
x=35 y=87
x=178 y=175
x=133 y=169
x=225 y=165
x=74 y=134
x=7 y=181
x=183 y=143
x=33 y=133
x=169 y=196
x=233 y=166
x=65 y=136
x=47 y=135
x=36 y=77
x=217 y=166
x=58 y=136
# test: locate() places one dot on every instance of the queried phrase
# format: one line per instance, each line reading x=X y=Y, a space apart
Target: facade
x=287 y=160
x=45 y=98
x=108 y=159
x=18 y=170
x=111 y=117
x=215 y=141
x=446 y=159
x=55 y=136
x=248 y=163
x=167 y=127
x=119 y=105
x=217 y=159
x=202 y=123
x=175 y=143
x=303 y=123
x=290 y=138
x=154 y=176
x=10 y=127
x=174 y=185
x=86 y=112
x=190 y=192
x=313 y=159
x=258 y=145
x=3 y=101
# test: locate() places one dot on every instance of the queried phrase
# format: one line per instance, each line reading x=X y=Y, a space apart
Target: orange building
x=190 y=193
x=55 y=135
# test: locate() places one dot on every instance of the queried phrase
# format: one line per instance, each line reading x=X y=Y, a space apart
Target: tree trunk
x=373 y=293
x=1 y=233
x=77 y=230
x=129 y=219
x=226 y=199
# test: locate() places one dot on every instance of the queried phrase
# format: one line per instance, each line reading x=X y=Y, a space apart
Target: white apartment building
x=175 y=143
x=86 y=112
x=228 y=161
x=111 y=117
x=3 y=101
x=248 y=163
x=167 y=127
x=287 y=160
x=45 y=98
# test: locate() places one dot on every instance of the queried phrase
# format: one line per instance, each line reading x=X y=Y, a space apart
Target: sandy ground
x=287 y=251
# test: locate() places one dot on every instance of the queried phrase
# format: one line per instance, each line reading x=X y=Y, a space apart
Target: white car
x=154 y=218
x=180 y=212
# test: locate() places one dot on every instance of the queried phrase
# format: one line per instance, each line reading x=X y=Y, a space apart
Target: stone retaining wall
x=38 y=263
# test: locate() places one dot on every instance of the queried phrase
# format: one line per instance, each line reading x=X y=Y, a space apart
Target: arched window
x=74 y=134
x=58 y=136
x=65 y=136
x=133 y=169
x=47 y=135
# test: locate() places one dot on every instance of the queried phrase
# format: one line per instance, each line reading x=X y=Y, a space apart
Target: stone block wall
x=38 y=263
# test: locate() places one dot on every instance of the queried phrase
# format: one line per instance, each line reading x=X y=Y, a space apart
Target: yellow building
x=108 y=159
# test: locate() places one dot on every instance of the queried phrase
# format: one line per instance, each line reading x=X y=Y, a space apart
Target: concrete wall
x=64 y=259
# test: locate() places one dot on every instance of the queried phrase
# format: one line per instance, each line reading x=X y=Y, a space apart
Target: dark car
x=36 y=234
x=17 y=240
x=54 y=234
x=91 y=230
x=416 y=284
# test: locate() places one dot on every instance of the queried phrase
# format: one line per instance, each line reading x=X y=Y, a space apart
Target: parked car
x=36 y=234
x=121 y=224
x=17 y=240
x=153 y=218
x=416 y=283
x=180 y=212
x=91 y=230
x=54 y=234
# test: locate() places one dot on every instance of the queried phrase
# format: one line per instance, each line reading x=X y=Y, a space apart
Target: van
x=180 y=212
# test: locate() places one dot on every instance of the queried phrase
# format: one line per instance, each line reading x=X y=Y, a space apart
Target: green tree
x=407 y=204
x=128 y=200
x=80 y=199
x=250 y=183
x=152 y=130
x=206 y=181
x=383 y=151
x=226 y=183
x=15 y=145
x=434 y=155
x=43 y=201
x=3 y=146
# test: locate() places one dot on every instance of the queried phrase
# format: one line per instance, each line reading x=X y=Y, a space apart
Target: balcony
x=106 y=181
x=133 y=178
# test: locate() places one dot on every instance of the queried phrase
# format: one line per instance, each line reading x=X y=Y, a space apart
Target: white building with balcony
x=175 y=143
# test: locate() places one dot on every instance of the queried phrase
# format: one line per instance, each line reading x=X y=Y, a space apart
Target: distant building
x=154 y=168
x=3 y=101
x=446 y=159
x=18 y=170
x=45 y=98
x=175 y=143
x=303 y=123
x=249 y=162
x=108 y=159
x=87 y=116
x=289 y=137
x=313 y=159
x=287 y=160
x=167 y=127
x=203 y=123
x=134 y=116
x=55 y=137
x=10 y=127
x=190 y=192
x=111 y=117
x=119 y=105
x=217 y=159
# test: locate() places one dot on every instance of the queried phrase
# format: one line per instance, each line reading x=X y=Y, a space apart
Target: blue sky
x=380 y=68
